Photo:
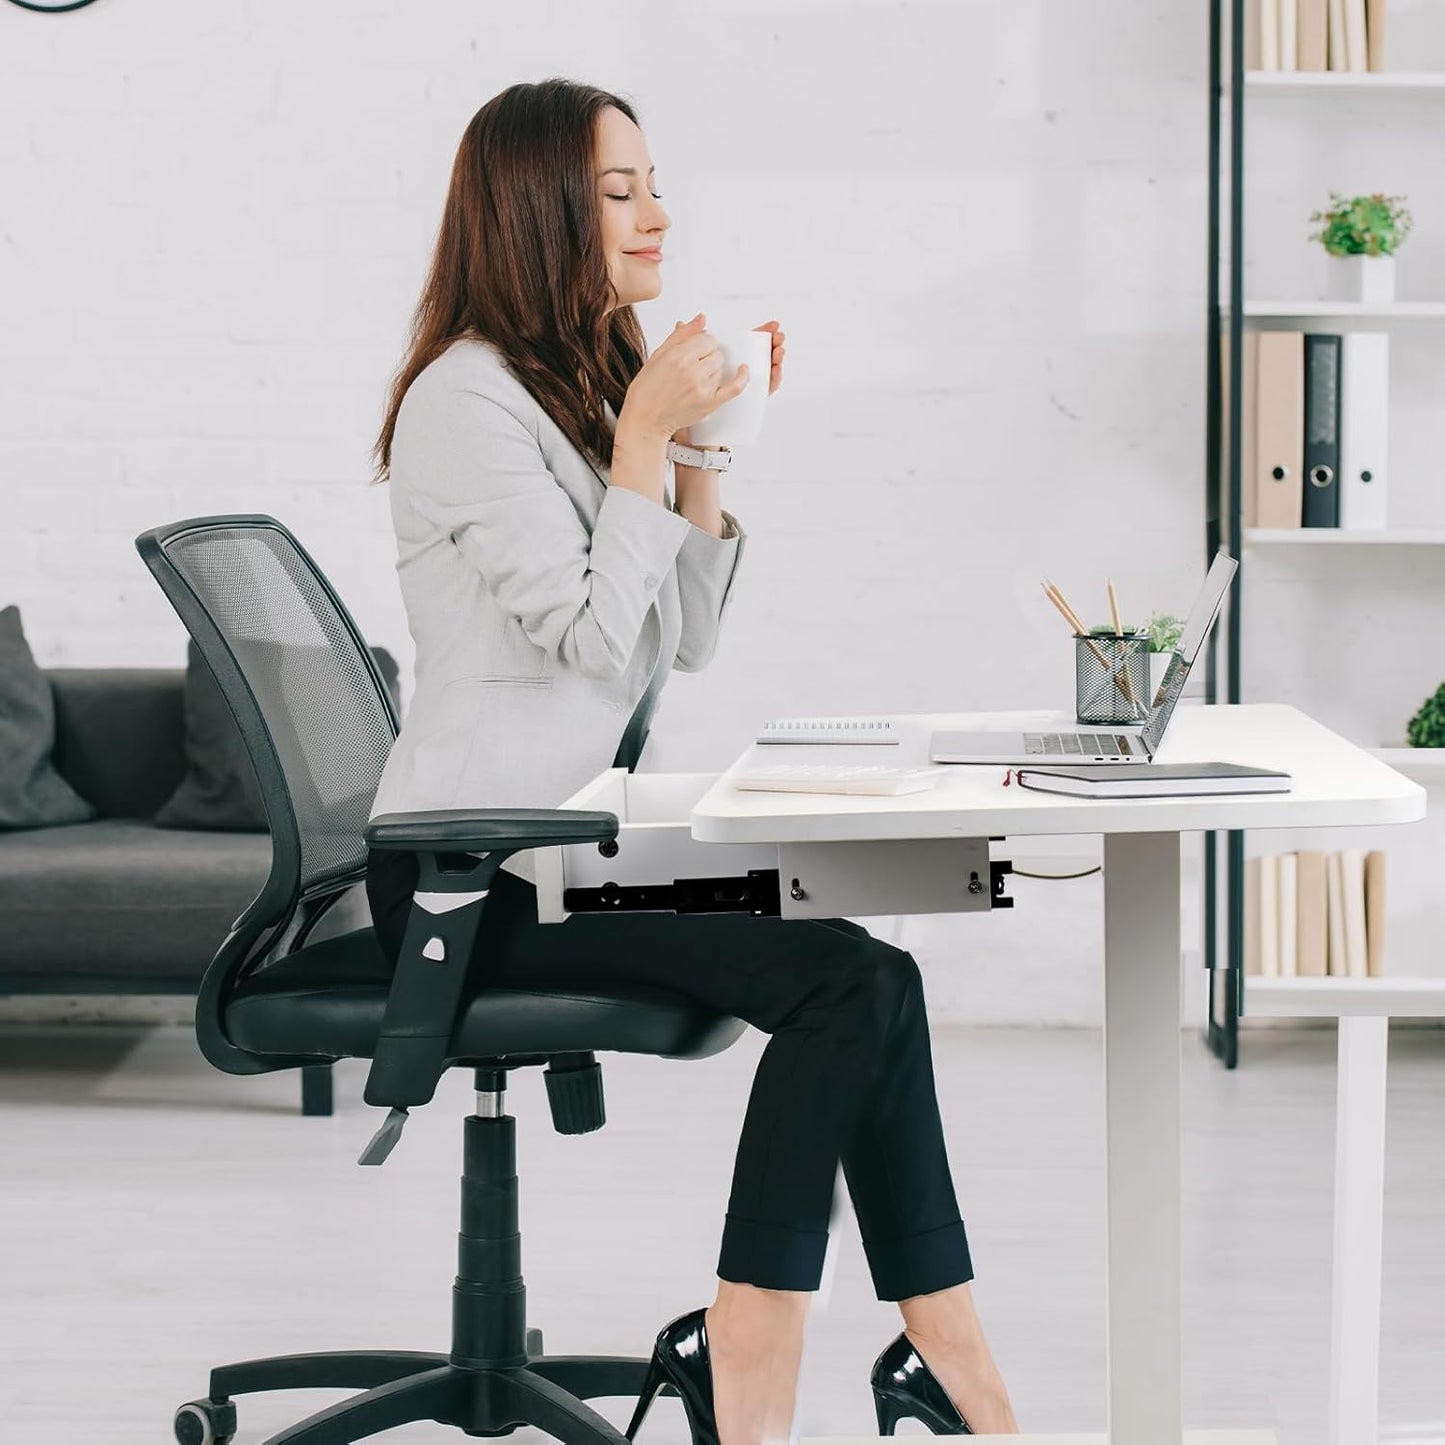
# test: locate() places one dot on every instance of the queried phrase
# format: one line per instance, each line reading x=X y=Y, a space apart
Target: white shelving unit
x=1330 y=82
x=1320 y=310
x=1414 y=762
x=1338 y=537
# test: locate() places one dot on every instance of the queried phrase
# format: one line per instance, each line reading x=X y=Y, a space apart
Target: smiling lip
x=653 y=255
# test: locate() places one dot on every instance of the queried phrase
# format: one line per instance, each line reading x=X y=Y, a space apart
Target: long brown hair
x=519 y=263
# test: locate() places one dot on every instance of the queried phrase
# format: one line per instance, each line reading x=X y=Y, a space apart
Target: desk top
x=1335 y=784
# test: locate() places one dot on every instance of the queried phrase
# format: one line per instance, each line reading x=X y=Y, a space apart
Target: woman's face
x=633 y=221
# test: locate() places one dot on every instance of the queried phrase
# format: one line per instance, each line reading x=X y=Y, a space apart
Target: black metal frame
x=1223 y=520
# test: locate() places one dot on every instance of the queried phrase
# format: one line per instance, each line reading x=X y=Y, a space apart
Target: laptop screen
x=1196 y=630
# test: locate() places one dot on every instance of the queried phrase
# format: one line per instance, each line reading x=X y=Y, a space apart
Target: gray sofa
x=118 y=905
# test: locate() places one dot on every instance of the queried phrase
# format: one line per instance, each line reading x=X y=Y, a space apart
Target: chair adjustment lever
x=384 y=1140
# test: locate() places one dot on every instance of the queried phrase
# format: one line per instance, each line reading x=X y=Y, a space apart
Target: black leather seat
x=331 y=998
x=318 y=724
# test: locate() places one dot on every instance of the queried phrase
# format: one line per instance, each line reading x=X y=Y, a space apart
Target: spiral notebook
x=848 y=730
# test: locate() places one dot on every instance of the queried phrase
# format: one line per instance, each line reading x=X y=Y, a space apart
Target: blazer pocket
x=519 y=659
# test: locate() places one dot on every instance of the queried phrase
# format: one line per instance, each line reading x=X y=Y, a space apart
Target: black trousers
x=847 y=1074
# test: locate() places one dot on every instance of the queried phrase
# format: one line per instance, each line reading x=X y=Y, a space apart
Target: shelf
x=1321 y=310
x=1338 y=537
x=1411 y=760
x=1318 y=82
x=1403 y=996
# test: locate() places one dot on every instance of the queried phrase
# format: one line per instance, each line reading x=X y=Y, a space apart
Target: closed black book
x=1154 y=780
x=1322 y=431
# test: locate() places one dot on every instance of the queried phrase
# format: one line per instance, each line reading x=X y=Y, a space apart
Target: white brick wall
x=981 y=224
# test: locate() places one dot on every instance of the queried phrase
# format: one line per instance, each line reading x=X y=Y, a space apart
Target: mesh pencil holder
x=1111 y=678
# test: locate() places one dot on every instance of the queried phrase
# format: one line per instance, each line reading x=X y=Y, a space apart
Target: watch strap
x=706 y=458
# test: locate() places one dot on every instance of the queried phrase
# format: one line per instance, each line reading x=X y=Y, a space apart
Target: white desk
x=1335 y=784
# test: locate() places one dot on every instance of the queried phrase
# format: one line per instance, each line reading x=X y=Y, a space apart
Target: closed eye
x=611 y=197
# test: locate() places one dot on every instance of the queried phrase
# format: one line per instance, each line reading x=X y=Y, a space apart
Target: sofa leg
x=316 y=1089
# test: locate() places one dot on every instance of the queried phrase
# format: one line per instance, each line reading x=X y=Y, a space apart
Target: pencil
x=1121 y=674
x=1114 y=608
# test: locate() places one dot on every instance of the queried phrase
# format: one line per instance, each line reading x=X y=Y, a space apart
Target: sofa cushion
x=219 y=789
x=121 y=899
x=118 y=735
x=32 y=792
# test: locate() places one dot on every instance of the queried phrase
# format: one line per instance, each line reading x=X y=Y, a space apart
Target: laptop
x=1082 y=744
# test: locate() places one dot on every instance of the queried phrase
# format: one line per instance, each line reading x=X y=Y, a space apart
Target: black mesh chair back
x=297 y=676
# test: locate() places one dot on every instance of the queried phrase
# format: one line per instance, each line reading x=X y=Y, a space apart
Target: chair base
x=549 y=1392
x=495 y=1377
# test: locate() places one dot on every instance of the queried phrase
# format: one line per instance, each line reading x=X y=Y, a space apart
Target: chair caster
x=206 y=1422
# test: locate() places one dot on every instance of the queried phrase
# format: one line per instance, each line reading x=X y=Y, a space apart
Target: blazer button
x=650 y=580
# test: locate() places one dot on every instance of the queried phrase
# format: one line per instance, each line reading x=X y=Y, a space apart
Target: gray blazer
x=539 y=598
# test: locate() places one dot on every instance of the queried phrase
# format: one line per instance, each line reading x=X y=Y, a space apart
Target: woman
x=551 y=585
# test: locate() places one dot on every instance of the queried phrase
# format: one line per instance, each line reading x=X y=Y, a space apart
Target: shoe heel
x=889 y=1410
x=651 y=1387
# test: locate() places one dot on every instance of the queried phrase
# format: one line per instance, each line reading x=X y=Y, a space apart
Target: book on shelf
x=1312 y=893
x=1315 y=430
x=1288 y=915
x=1314 y=35
x=1314 y=914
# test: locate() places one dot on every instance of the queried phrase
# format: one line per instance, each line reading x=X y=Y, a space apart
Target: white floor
x=157 y=1217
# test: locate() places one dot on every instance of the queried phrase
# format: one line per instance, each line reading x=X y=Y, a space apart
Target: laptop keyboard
x=1075 y=745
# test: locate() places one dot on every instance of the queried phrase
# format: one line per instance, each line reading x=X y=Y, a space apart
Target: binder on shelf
x=1364 y=429
x=1352 y=877
x=1357 y=55
x=1279 y=429
x=1288 y=34
x=1249 y=438
x=1288 y=913
x=1321 y=507
x=1269 y=35
x=1338 y=60
x=1336 y=918
x=1313 y=46
x=1312 y=930
x=1375 y=33
x=1253 y=24
x=1375 y=913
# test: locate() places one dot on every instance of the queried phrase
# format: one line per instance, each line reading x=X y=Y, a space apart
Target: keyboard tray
x=655 y=848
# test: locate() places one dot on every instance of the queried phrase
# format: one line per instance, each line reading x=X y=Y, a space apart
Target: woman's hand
x=683 y=381
x=683 y=435
x=778 y=352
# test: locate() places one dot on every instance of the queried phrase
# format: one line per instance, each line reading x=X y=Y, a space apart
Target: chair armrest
x=503 y=830
x=428 y=988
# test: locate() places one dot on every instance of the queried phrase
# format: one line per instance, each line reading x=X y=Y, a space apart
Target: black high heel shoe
x=903 y=1385
x=680 y=1359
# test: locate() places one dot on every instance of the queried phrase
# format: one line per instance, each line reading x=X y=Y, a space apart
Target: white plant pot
x=1361 y=278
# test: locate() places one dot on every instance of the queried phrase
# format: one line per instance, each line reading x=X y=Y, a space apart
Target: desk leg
x=1142 y=1081
x=1364 y=1045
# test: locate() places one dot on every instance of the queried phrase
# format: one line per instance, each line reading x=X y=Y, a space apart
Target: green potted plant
x=1427 y=728
x=1360 y=235
x=1165 y=630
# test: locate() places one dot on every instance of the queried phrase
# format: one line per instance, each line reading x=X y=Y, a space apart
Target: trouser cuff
x=919 y=1263
x=771 y=1256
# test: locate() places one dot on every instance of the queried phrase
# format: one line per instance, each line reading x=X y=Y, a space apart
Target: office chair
x=318 y=723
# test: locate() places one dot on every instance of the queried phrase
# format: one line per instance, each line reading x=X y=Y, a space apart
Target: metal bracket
x=757 y=895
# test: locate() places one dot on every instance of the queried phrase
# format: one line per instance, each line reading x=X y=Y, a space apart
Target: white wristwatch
x=709 y=459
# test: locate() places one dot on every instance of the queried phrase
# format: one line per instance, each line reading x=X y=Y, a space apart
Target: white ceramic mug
x=740 y=420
